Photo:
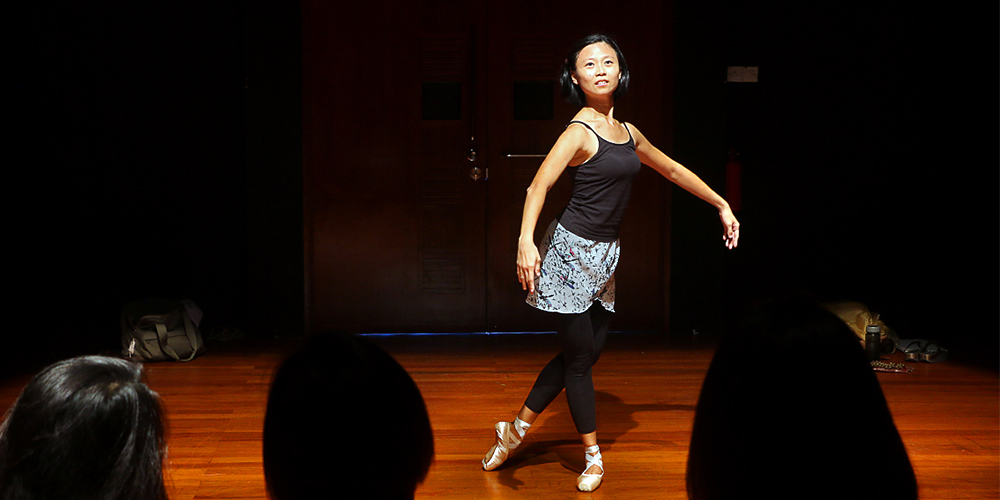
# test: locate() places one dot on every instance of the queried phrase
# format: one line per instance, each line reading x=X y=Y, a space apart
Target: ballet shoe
x=507 y=440
x=590 y=482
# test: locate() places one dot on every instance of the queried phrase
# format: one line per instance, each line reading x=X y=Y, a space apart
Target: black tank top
x=601 y=188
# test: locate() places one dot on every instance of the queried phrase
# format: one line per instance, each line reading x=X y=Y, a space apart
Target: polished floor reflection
x=647 y=386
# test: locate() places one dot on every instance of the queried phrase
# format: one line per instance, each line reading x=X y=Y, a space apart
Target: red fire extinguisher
x=733 y=183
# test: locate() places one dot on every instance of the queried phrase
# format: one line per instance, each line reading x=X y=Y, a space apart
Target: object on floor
x=225 y=333
x=857 y=316
x=924 y=350
x=886 y=366
x=161 y=330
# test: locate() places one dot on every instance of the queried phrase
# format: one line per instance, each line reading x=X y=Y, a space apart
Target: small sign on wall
x=741 y=73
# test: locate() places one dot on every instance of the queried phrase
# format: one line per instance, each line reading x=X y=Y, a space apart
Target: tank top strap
x=630 y=138
x=585 y=125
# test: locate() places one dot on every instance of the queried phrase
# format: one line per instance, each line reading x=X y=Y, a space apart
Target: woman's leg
x=579 y=378
x=526 y=415
x=582 y=337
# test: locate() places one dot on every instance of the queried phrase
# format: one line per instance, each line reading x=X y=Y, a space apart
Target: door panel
x=399 y=237
x=528 y=41
x=395 y=239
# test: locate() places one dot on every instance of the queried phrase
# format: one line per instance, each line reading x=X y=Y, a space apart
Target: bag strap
x=141 y=349
x=189 y=329
x=161 y=336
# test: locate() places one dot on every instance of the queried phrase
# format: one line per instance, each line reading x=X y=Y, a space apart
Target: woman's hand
x=731 y=227
x=529 y=264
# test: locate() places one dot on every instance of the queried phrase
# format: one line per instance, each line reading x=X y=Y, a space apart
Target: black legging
x=582 y=336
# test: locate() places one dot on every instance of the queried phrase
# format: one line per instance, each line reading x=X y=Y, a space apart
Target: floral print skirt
x=575 y=272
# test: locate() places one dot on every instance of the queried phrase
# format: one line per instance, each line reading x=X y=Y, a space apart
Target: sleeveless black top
x=601 y=189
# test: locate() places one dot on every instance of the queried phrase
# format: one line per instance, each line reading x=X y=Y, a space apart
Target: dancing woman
x=573 y=273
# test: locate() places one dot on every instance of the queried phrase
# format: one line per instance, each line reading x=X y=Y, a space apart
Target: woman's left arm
x=678 y=174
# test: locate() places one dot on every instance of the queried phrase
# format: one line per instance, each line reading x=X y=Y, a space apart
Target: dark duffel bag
x=161 y=330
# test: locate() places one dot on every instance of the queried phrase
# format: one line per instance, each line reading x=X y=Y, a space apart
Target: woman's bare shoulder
x=635 y=133
x=588 y=116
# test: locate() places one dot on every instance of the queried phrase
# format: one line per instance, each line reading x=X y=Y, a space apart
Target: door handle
x=476 y=173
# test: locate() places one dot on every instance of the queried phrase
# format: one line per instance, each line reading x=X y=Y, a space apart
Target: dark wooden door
x=402 y=102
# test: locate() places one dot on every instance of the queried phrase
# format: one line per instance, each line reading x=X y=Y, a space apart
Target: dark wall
x=698 y=259
x=274 y=273
x=869 y=167
x=162 y=145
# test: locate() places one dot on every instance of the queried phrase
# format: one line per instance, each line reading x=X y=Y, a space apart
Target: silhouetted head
x=345 y=420
x=790 y=407
x=84 y=428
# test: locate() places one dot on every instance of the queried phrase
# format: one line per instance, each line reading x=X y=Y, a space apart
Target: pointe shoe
x=506 y=440
x=590 y=482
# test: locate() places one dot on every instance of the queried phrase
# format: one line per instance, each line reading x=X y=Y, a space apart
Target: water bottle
x=873 y=336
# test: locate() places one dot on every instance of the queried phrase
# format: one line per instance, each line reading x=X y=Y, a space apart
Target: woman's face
x=597 y=71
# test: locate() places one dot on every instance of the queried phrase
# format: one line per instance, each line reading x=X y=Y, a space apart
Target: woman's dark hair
x=345 y=420
x=84 y=428
x=791 y=407
x=571 y=91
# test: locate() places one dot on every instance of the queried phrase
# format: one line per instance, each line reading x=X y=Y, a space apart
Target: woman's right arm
x=571 y=147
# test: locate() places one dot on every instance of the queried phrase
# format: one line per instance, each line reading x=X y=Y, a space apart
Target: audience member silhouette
x=345 y=420
x=791 y=408
x=84 y=428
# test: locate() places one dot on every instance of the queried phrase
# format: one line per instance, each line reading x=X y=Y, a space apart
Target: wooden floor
x=948 y=415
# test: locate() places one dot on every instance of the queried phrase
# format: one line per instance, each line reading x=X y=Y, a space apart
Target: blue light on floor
x=452 y=334
x=466 y=334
